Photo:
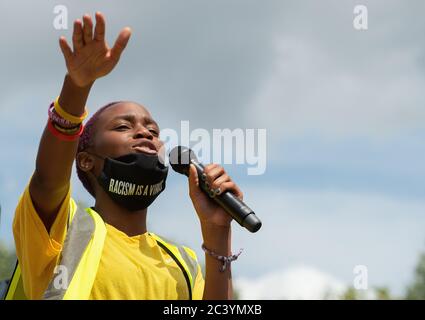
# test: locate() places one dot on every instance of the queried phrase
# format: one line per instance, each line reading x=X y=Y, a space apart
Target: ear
x=85 y=161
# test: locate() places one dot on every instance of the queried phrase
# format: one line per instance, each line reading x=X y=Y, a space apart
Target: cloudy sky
x=343 y=109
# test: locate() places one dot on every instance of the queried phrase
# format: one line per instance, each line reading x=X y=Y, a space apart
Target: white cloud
x=298 y=282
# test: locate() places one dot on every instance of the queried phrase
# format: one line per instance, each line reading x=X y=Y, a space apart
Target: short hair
x=86 y=141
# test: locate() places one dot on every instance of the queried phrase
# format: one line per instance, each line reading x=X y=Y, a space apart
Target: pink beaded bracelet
x=225 y=260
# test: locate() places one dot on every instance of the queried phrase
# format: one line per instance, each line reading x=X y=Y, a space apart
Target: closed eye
x=154 y=132
x=122 y=127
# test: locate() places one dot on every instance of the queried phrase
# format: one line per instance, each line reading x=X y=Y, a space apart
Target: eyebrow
x=132 y=118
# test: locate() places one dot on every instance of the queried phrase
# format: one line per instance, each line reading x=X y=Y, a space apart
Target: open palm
x=92 y=58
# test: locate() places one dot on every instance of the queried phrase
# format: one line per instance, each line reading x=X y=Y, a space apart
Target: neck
x=132 y=223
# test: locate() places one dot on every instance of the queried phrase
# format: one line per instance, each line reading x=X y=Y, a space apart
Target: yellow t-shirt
x=130 y=267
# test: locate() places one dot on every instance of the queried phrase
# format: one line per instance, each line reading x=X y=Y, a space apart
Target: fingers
x=77 y=36
x=215 y=186
x=193 y=181
x=87 y=29
x=120 y=43
x=66 y=50
x=99 y=31
x=212 y=172
x=83 y=34
x=232 y=188
x=218 y=181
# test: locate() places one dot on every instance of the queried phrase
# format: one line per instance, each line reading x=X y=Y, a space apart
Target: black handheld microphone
x=180 y=160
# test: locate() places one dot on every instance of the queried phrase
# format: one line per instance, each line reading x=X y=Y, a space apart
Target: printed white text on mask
x=129 y=189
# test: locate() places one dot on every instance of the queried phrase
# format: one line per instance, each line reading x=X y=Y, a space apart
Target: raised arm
x=90 y=59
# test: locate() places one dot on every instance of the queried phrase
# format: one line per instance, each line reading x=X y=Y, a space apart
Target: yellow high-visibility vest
x=81 y=253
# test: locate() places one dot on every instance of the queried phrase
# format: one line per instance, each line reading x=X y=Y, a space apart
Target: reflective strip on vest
x=191 y=263
x=81 y=228
x=184 y=260
x=15 y=291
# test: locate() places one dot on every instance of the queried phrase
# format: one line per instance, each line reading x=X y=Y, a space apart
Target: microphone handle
x=236 y=208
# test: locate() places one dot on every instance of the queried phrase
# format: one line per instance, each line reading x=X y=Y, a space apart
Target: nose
x=143 y=132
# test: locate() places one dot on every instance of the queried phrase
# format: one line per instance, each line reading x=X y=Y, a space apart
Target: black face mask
x=133 y=181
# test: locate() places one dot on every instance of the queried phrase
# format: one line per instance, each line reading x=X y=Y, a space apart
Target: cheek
x=111 y=144
x=158 y=143
x=98 y=167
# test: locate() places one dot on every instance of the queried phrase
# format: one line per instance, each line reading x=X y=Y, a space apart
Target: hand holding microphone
x=181 y=158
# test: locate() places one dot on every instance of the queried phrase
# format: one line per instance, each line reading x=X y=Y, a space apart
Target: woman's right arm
x=90 y=59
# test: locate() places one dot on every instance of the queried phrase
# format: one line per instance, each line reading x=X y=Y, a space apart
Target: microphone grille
x=180 y=158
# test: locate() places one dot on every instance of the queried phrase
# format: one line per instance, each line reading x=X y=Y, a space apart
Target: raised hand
x=92 y=58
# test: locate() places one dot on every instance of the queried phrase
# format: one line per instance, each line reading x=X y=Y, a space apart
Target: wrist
x=73 y=98
x=78 y=85
x=217 y=238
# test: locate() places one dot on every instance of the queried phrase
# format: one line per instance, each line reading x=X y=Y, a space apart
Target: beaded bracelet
x=56 y=118
x=225 y=260
x=67 y=116
x=62 y=136
x=68 y=131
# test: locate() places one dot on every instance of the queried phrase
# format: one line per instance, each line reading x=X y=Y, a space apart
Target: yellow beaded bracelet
x=67 y=116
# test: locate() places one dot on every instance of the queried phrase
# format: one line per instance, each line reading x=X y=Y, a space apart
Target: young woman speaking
x=106 y=251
